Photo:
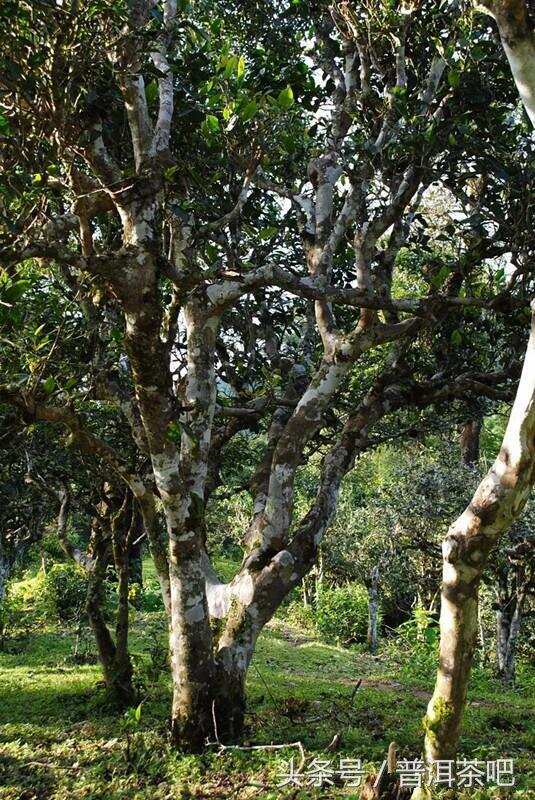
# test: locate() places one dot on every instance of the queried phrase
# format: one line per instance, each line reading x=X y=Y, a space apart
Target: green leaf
x=267 y=233
x=15 y=291
x=441 y=276
x=39 y=330
x=499 y=275
x=37 y=179
x=231 y=65
x=454 y=78
x=212 y=123
x=151 y=92
x=137 y=713
x=50 y=384
x=456 y=337
x=285 y=99
x=169 y=173
x=240 y=67
x=249 y=110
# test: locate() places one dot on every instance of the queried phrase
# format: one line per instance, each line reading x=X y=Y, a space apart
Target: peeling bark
x=518 y=40
x=497 y=502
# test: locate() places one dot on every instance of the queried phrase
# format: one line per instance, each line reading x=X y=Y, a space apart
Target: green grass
x=59 y=740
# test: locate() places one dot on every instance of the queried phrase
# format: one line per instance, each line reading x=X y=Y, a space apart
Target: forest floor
x=59 y=740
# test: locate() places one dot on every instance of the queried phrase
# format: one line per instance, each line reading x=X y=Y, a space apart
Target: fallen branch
x=224 y=747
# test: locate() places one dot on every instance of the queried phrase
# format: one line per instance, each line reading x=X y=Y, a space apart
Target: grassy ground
x=59 y=740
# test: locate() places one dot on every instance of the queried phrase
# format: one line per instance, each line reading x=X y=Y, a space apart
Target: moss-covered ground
x=59 y=739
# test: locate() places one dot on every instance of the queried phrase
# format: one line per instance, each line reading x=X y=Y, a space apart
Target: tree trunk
x=373 y=609
x=5 y=571
x=508 y=624
x=114 y=660
x=191 y=649
x=497 y=502
x=469 y=442
x=518 y=42
x=229 y=702
x=504 y=612
x=503 y=624
x=136 y=564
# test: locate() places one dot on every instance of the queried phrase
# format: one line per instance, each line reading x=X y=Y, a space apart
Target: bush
x=151 y=597
x=416 y=643
x=12 y=617
x=64 y=592
x=342 y=614
x=300 y=615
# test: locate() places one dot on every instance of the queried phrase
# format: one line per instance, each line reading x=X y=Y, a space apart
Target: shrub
x=64 y=592
x=12 y=617
x=151 y=596
x=416 y=643
x=300 y=615
x=342 y=614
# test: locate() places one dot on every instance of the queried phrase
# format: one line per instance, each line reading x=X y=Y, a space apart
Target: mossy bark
x=496 y=504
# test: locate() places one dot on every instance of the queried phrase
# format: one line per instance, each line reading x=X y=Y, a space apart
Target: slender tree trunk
x=123 y=665
x=114 y=658
x=482 y=639
x=469 y=442
x=503 y=625
x=508 y=624
x=497 y=502
x=318 y=574
x=136 y=564
x=5 y=572
x=373 y=609
x=504 y=612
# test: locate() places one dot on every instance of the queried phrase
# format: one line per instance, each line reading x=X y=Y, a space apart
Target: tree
x=261 y=258
x=501 y=496
x=518 y=40
x=115 y=527
x=514 y=585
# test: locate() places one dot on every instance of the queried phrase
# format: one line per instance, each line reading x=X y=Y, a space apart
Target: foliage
x=303 y=617
x=151 y=596
x=414 y=176
x=64 y=590
x=417 y=639
x=342 y=614
x=60 y=742
x=12 y=618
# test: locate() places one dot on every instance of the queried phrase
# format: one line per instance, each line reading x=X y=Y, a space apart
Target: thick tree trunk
x=229 y=700
x=191 y=645
x=497 y=502
x=192 y=663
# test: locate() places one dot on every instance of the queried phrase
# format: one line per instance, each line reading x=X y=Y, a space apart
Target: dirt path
x=298 y=638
